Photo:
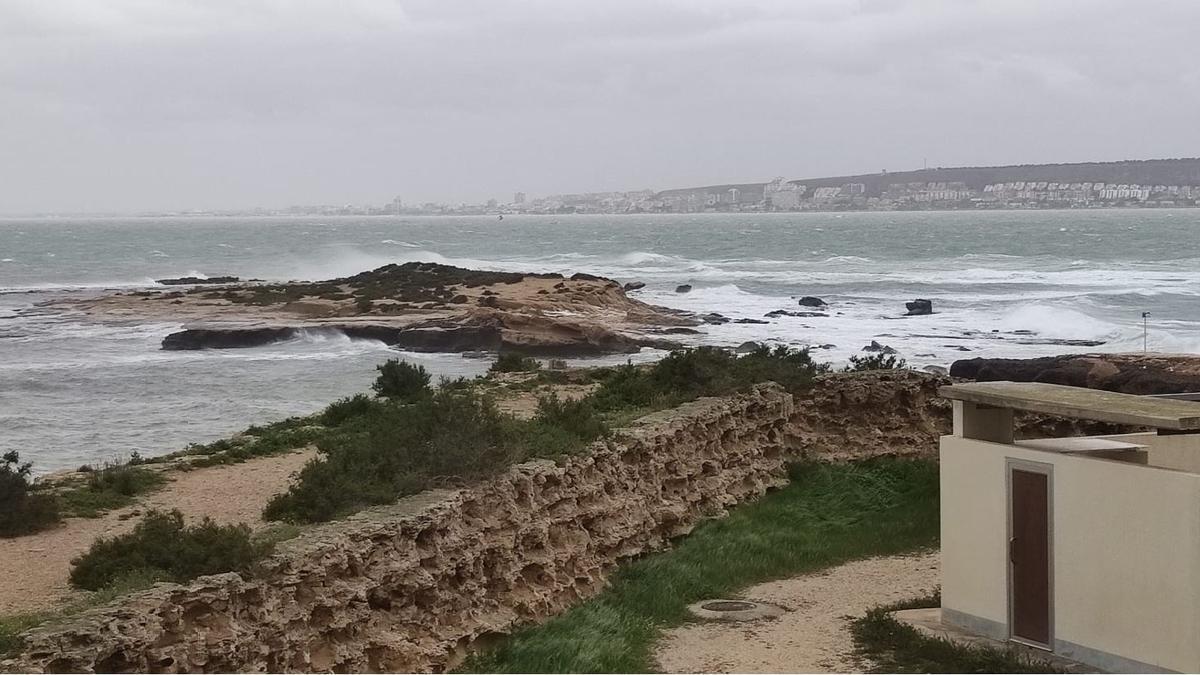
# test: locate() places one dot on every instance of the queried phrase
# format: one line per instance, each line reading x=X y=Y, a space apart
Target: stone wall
x=408 y=587
x=850 y=416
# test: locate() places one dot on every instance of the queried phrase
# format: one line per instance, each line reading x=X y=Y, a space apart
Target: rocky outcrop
x=408 y=587
x=418 y=306
x=919 y=307
x=877 y=348
x=776 y=313
x=811 y=301
x=529 y=335
x=683 y=288
x=197 y=281
x=1127 y=373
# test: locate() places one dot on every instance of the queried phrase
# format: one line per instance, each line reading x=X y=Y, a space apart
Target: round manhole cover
x=728 y=606
x=734 y=610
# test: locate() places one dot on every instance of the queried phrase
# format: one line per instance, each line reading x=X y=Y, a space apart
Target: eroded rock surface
x=416 y=306
x=1126 y=373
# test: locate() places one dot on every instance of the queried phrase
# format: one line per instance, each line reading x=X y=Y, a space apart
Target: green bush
x=112 y=486
x=401 y=381
x=512 y=362
x=860 y=364
x=162 y=544
x=561 y=426
x=23 y=510
x=397 y=450
x=705 y=371
x=352 y=407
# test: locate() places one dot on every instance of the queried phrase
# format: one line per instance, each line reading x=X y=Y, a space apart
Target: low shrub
x=860 y=364
x=352 y=407
x=512 y=362
x=23 y=510
x=705 y=371
x=561 y=426
x=397 y=450
x=401 y=381
x=112 y=486
x=161 y=544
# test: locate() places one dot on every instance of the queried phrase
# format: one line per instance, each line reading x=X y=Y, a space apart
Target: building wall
x=1126 y=554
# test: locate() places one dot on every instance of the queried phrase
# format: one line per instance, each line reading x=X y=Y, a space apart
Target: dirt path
x=813 y=636
x=34 y=568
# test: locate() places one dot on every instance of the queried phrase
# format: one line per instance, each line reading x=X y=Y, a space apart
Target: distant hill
x=1143 y=171
x=1185 y=171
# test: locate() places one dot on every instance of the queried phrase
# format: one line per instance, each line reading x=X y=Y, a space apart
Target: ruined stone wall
x=848 y=416
x=409 y=586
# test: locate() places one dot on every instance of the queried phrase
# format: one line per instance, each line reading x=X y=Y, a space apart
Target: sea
x=1003 y=284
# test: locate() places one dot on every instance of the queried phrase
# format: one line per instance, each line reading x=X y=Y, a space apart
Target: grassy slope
x=827 y=515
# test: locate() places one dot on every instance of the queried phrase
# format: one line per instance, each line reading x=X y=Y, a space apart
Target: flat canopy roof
x=1088 y=404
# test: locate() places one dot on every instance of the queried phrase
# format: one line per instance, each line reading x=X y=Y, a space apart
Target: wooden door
x=1029 y=555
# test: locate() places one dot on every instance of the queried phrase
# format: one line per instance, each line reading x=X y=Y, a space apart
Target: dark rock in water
x=676 y=330
x=683 y=288
x=1126 y=373
x=810 y=301
x=919 y=307
x=774 y=314
x=438 y=335
x=958 y=348
x=926 y=356
x=878 y=348
x=826 y=346
x=751 y=321
x=189 y=281
x=227 y=338
x=715 y=319
x=747 y=347
x=635 y=285
x=583 y=276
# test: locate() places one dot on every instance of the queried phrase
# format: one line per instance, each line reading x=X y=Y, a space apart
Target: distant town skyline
x=124 y=105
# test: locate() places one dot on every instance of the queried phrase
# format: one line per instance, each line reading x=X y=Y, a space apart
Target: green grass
x=829 y=514
x=894 y=647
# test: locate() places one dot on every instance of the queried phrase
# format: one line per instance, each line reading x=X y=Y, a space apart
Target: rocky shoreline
x=1126 y=373
x=424 y=307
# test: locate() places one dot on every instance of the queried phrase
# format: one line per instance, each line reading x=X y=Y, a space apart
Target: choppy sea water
x=1002 y=283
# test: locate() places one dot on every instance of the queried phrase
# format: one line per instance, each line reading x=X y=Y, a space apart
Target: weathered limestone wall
x=409 y=586
x=849 y=416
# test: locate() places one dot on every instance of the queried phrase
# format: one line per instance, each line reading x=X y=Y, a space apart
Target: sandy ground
x=813 y=635
x=34 y=568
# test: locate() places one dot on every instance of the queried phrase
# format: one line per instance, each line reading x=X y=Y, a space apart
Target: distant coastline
x=1150 y=183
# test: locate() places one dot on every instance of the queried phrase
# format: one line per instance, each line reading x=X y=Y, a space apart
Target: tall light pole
x=1145 y=331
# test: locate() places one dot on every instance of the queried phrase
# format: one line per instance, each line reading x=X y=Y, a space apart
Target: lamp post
x=1145 y=331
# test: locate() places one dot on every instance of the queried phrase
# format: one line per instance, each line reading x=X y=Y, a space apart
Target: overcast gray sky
x=166 y=104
